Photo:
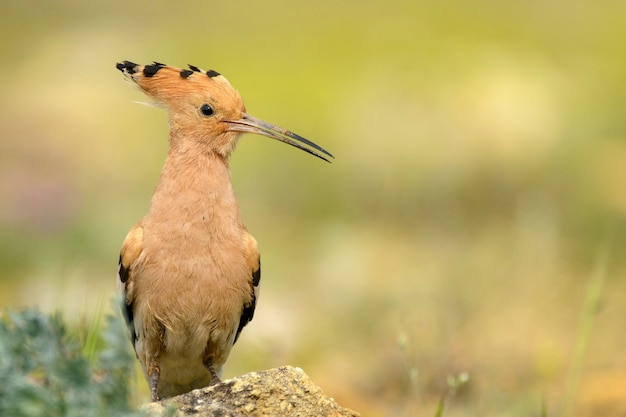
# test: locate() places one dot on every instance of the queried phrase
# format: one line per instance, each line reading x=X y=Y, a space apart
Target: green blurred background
x=479 y=181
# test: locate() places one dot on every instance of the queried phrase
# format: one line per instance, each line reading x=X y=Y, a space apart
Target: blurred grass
x=590 y=310
x=481 y=152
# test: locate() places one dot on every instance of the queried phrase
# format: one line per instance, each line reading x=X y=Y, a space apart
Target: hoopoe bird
x=189 y=271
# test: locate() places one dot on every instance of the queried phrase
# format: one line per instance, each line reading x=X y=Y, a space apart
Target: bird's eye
x=206 y=109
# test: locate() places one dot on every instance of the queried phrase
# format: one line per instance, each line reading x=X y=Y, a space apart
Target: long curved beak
x=249 y=124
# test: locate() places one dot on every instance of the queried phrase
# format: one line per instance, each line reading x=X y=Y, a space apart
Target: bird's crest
x=165 y=83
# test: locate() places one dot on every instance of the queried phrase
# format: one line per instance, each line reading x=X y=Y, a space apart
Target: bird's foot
x=154 y=380
x=215 y=378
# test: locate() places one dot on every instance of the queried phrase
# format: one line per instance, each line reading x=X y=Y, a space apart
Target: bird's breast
x=193 y=270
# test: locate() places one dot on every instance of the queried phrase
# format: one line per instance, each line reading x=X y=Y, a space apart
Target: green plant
x=590 y=310
x=43 y=371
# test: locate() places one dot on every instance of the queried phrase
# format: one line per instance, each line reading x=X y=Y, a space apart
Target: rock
x=275 y=392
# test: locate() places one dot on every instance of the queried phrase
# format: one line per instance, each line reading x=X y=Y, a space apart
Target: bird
x=189 y=270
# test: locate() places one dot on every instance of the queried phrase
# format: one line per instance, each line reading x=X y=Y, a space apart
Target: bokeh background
x=475 y=211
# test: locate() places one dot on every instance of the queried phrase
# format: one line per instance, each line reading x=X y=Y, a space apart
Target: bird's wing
x=131 y=249
x=253 y=259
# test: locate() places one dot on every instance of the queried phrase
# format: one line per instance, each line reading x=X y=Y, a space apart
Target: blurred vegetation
x=43 y=371
x=480 y=168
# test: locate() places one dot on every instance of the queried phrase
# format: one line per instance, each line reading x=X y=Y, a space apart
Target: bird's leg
x=153 y=376
x=208 y=364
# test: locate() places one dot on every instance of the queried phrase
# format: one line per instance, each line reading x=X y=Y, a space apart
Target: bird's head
x=204 y=107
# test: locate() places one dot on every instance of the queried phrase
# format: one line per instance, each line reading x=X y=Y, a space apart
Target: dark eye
x=206 y=109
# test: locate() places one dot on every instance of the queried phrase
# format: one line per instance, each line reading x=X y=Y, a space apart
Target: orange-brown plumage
x=189 y=270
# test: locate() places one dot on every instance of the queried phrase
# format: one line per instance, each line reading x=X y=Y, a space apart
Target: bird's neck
x=195 y=186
